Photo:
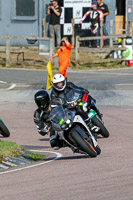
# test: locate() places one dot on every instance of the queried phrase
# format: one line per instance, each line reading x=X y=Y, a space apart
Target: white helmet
x=59 y=82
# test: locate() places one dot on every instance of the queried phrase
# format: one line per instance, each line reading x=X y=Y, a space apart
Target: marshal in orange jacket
x=64 y=56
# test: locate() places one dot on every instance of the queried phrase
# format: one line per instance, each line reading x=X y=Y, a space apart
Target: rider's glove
x=43 y=130
x=46 y=128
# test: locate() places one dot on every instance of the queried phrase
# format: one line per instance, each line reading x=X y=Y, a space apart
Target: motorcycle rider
x=41 y=118
x=60 y=89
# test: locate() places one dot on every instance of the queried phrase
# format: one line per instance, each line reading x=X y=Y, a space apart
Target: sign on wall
x=74 y=3
x=129 y=49
x=73 y=9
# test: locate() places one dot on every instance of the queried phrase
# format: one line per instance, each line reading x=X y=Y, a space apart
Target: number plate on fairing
x=91 y=114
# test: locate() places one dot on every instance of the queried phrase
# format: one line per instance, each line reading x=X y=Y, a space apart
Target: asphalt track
x=71 y=176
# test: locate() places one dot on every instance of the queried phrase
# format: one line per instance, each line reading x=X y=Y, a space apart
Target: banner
x=68 y=29
x=128 y=53
x=77 y=14
x=50 y=76
x=129 y=49
x=74 y=3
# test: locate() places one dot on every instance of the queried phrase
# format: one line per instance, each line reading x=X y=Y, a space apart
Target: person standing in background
x=63 y=53
x=104 y=8
x=95 y=17
x=54 y=10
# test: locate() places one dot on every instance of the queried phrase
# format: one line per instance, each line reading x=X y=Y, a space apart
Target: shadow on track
x=74 y=157
x=44 y=139
x=28 y=147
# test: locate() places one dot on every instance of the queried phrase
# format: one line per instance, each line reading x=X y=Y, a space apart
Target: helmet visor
x=59 y=85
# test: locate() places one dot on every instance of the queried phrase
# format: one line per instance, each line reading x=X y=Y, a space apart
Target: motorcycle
x=3 y=129
x=72 y=129
x=77 y=97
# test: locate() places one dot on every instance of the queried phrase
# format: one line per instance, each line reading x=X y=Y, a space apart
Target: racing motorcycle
x=72 y=129
x=3 y=129
x=77 y=98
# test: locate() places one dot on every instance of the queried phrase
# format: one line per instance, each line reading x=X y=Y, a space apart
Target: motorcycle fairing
x=78 y=119
x=91 y=113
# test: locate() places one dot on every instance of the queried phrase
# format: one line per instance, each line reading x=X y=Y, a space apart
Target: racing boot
x=56 y=142
x=92 y=127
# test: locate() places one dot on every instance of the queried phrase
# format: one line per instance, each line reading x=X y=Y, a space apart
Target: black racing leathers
x=43 y=125
x=62 y=94
x=42 y=122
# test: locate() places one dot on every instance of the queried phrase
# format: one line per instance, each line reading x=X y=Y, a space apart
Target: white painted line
x=58 y=155
x=21 y=86
x=124 y=84
x=3 y=82
x=11 y=87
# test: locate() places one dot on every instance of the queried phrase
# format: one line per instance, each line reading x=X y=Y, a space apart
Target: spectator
x=54 y=26
x=95 y=17
x=64 y=56
x=104 y=8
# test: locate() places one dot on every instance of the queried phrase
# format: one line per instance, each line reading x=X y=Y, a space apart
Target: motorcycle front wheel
x=4 y=130
x=83 y=144
x=97 y=122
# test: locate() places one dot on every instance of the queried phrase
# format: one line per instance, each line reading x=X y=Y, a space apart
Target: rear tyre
x=97 y=122
x=4 y=130
x=83 y=144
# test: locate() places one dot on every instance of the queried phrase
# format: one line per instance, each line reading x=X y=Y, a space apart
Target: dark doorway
x=120 y=7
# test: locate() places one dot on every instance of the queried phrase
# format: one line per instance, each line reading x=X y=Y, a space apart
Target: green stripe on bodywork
x=91 y=114
x=61 y=121
x=80 y=104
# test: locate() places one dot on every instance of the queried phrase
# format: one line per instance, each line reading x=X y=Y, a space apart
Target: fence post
x=77 y=48
x=44 y=26
x=7 y=51
x=130 y=28
x=111 y=32
x=101 y=33
x=51 y=46
x=73 y=33
x=123 y=45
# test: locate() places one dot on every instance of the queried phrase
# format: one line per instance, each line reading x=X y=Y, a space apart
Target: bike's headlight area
x=68 y=121
x=66 y=124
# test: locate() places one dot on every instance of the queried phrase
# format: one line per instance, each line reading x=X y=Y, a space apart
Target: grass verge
x=14 y=150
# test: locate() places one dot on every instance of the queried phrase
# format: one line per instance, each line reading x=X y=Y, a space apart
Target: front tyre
x=4 y=130
x=98 y=150
x=83 y=144
x=97 y=122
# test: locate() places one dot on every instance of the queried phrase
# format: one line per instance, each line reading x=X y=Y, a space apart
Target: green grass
x=34 y=156
x=14 y=150
x=102 y=65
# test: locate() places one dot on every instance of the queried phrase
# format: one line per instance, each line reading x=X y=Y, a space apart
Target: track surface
x=73 y=176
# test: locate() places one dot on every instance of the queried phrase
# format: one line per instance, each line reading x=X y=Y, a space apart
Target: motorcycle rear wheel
x=4 y=130
x=97 y=122
x=83 y=144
